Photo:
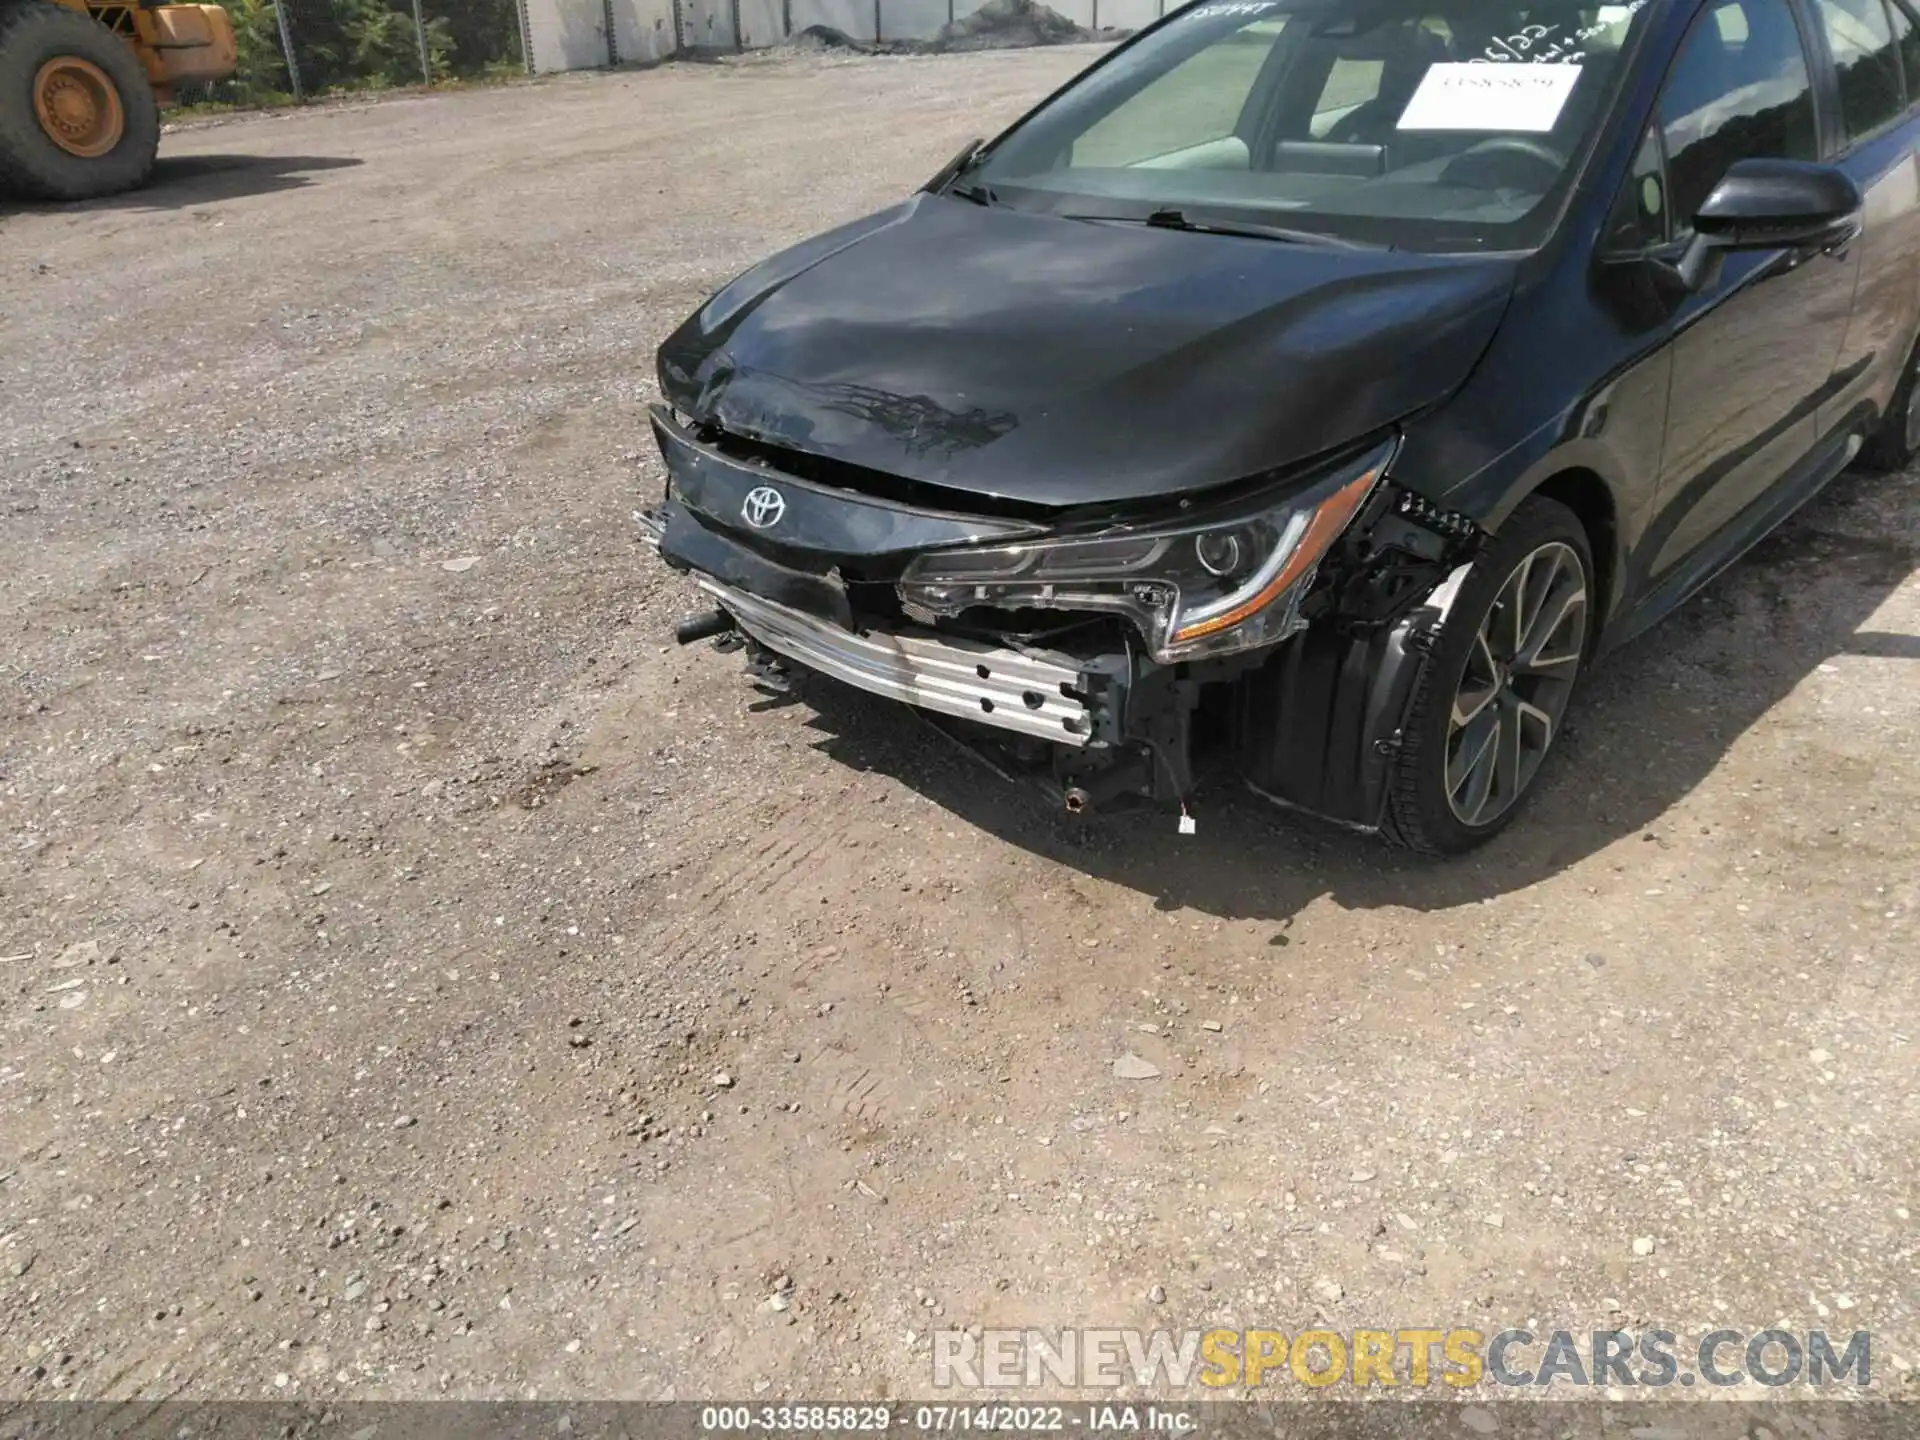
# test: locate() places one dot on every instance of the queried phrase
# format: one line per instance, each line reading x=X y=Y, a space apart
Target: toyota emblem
x=763 y=507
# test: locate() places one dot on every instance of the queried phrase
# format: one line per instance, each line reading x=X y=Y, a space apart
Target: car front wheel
x=1896 y=442
x=1489 y=705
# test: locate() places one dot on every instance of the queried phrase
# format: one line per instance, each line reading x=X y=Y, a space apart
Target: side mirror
x=1770 y=205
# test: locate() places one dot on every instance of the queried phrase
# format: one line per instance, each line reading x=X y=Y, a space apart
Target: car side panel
x=1886 y=305
x=1582 y=378
x=1557 y=341
x=1720 y=491
x=1752 y=366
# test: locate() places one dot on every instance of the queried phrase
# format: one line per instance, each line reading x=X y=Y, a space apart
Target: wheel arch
x=1592 y=501
x=1319 y=726
x=1595 y=502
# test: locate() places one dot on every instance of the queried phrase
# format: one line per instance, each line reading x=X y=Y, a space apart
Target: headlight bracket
x=1395 y=553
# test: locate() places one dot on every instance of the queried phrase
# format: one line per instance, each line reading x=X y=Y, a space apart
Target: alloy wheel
x=1516 y=683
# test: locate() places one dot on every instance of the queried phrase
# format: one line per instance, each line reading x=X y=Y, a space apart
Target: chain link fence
x=296 y=50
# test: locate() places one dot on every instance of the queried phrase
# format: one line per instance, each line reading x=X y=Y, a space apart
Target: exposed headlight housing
x=1206 y=586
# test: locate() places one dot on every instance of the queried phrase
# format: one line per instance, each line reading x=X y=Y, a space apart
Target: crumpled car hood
x=1038 y=361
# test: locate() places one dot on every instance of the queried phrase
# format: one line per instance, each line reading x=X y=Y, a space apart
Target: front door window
x=1739 y=88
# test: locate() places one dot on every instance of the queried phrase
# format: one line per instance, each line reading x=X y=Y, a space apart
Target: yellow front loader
x=82 y=83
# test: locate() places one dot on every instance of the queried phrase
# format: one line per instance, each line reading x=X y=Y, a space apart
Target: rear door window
x=1861 y=38
x=1906 y=31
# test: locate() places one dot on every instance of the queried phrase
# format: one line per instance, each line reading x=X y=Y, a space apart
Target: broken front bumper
x=785 y=594
x=1313 y=723
x=1042 y=698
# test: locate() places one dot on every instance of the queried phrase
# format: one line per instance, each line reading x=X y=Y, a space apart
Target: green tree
x=362 y=44
x=484 y=33
x=260 y=77
x=384 y=48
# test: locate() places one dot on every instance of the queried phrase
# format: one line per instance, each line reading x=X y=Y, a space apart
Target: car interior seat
x=1403 y=67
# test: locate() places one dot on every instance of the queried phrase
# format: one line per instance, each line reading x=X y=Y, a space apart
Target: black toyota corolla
x=1331 y=380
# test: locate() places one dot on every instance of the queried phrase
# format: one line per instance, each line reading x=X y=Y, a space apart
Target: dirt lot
x=421 y=978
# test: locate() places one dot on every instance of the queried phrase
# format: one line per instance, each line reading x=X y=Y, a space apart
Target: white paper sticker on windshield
x=1527 y=95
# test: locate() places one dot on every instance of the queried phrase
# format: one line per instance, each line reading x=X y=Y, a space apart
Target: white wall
x=911 y=19
x=572 y=34
x=1132 y=14
x=566 y=34
x=642 y=30
x=852 y=18
x=708 y=24
x=760 y=23
x=1114 y=14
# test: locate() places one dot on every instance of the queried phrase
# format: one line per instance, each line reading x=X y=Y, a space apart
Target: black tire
x=1896 y=442
x=32 y=166
x=1421 y=813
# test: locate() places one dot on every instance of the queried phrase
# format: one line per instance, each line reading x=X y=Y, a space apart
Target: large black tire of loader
x=32 y=166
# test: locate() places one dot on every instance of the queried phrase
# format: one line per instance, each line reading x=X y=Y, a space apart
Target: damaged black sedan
x=1330 y=381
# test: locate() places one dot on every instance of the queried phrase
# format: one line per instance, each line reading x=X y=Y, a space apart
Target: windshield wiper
x=979 y=193
x=947 y=180
x=1170 y=218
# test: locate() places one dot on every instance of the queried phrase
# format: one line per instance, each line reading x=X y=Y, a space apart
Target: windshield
x=1417 y=124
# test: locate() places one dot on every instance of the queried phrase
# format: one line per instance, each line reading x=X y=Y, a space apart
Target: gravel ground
x=422 y=979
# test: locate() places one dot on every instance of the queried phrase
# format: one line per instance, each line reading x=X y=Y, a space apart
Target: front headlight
x=1209 y=586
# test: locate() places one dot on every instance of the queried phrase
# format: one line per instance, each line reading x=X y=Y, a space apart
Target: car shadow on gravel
x=183 y=181
x=1651 y=724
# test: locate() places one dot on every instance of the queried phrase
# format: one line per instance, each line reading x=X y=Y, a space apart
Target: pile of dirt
x=825 y=37
x=997 y=25
x=1010 y=25
x=822 y=41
